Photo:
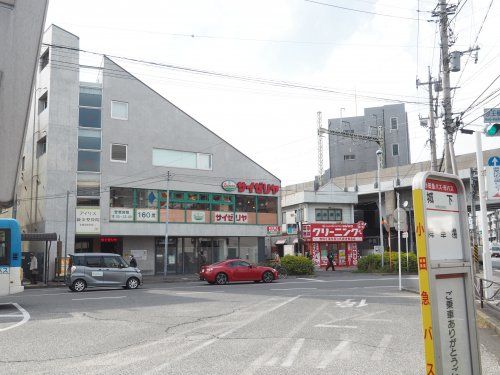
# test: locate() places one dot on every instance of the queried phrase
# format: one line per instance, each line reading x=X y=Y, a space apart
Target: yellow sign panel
x=423 y=276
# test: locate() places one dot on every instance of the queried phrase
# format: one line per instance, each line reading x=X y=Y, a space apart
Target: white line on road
x=84 y=299
x=11 y=315
x=160 y=369
x=290 y=358
x=334 y=326
x=382 y=346
x=339 y=349
x=26 y=316
x=292 y=288
x=197 y=292
x=308 y=279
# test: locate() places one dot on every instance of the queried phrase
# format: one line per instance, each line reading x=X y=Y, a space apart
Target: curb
x=485 y=320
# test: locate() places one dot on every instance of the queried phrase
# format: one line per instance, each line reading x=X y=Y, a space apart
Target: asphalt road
x=346 y=323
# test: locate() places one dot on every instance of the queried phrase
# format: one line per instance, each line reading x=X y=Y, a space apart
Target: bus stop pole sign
x=445 y=275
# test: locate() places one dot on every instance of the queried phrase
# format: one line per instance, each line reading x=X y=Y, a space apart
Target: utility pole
x=165 y=251
x=432 y=126
x=320 y=152
x=473 y=195
x=66 y=235
x=443 y=12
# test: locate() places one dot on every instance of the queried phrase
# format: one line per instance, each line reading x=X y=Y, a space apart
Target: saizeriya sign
x=253 y=187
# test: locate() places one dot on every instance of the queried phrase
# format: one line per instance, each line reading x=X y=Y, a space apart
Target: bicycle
x=282 y=272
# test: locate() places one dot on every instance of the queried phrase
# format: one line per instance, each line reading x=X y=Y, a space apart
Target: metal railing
x=480 y=286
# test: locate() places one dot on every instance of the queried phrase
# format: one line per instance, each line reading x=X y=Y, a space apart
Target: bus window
x=4 y=246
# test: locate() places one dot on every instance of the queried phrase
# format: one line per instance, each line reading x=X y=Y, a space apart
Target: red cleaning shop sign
x=334 y=232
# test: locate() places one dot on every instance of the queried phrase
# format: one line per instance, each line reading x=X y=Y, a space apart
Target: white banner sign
x=146 y=214
x=139 y=254
x=121 y=214
x=493 y=181
x=88 y=220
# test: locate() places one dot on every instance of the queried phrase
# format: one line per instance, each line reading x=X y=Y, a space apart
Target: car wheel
x=221 y=278
x=71 y=288
x=79 y=285
x=133 y=283
x=268 y=277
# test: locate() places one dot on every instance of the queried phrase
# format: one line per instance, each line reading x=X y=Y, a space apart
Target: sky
x=361 y=57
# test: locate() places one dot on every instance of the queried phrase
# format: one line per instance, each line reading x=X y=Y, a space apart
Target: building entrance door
x=172 y=255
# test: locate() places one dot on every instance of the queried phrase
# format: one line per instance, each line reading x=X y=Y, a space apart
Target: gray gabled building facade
x=116 y=146
x=348 y=156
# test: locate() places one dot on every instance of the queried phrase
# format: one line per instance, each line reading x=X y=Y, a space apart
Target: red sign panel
x=257 y=188
x=334 y=232
x=442 y=186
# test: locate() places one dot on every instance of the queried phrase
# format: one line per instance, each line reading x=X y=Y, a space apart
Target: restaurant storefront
x=342 y=239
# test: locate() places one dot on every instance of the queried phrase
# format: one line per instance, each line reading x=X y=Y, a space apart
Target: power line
x=474 y=101
x=361 y=11
x=258 y=80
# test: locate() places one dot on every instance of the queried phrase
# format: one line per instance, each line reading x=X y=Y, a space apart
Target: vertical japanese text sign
x=445 y=275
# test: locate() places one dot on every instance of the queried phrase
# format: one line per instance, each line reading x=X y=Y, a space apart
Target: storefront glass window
x=249 y=249
x=147 y=198
x=267 y=210
x=245 y=203
x=121 y=197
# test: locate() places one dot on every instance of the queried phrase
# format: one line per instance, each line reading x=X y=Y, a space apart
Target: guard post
x=445 y=275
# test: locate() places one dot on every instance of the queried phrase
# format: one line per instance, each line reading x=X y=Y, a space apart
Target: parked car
x=89 y=270
x=495 y=250
x=237 y=270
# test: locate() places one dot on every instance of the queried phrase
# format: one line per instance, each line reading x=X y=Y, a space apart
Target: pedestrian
x=133 y=262
x=33 y=268
x=277 y=259
x=330 y=257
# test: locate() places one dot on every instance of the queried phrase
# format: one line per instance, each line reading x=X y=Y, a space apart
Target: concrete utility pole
x=473 y=194
x=445 y=58
x=432 y=126
x=165 y=251
x=481 y=176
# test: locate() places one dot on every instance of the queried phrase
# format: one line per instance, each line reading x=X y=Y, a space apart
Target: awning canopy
x=280 y=242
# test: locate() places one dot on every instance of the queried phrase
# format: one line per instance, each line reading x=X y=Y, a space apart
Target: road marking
x=11 y=315
x=350 y=303
x=382 y=346
x=26 y=316
x=308 y=279
x=160 y=368
x=293 y=288
x=334 y=326
x=270 y=351
x=339 y=349
x=197 y=292
x=272 y=361
x=84 y=299
x=362 y=303
x=290 y=358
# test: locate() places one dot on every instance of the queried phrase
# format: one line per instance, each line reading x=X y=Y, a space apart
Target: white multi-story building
x=96 y=163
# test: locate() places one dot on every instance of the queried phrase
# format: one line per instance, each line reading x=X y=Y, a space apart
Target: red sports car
x=237 y=270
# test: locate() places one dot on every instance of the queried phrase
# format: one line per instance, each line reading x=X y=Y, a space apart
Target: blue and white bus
x=10 y=257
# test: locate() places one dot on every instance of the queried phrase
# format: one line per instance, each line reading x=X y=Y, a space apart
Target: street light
x=379 y=155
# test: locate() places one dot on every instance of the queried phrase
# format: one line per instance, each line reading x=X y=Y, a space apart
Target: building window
x=89 y=139
x=87 y=202
x=395 y=149
x=41 y=147
x=119 y=153
x=349 y=157
x=181 y=159
x=89 y=161
x=90 y=118
x=44 y=59
x=90 y=97
x=121 y=197
x=331 y=214
x=394 y=123
x=88 y=185
x=119 y=110
x=43 y=102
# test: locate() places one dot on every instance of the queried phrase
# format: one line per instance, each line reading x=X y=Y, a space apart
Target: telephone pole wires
x=432 y=125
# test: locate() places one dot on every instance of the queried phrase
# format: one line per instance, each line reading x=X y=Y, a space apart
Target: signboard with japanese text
x=88 y=220
x=230 y=217
x=445 y=275
x=121 y=214
x=443 y=219
x=273 y=230
x=146 y=214
x=317 y=232
x=493 y=183
x=491 y=115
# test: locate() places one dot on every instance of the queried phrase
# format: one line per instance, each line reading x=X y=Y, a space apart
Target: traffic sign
x=405 y=234
x=493 y=183
x=400 y=222
x=494 y=161
x=491 y=115
x=445 y=275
